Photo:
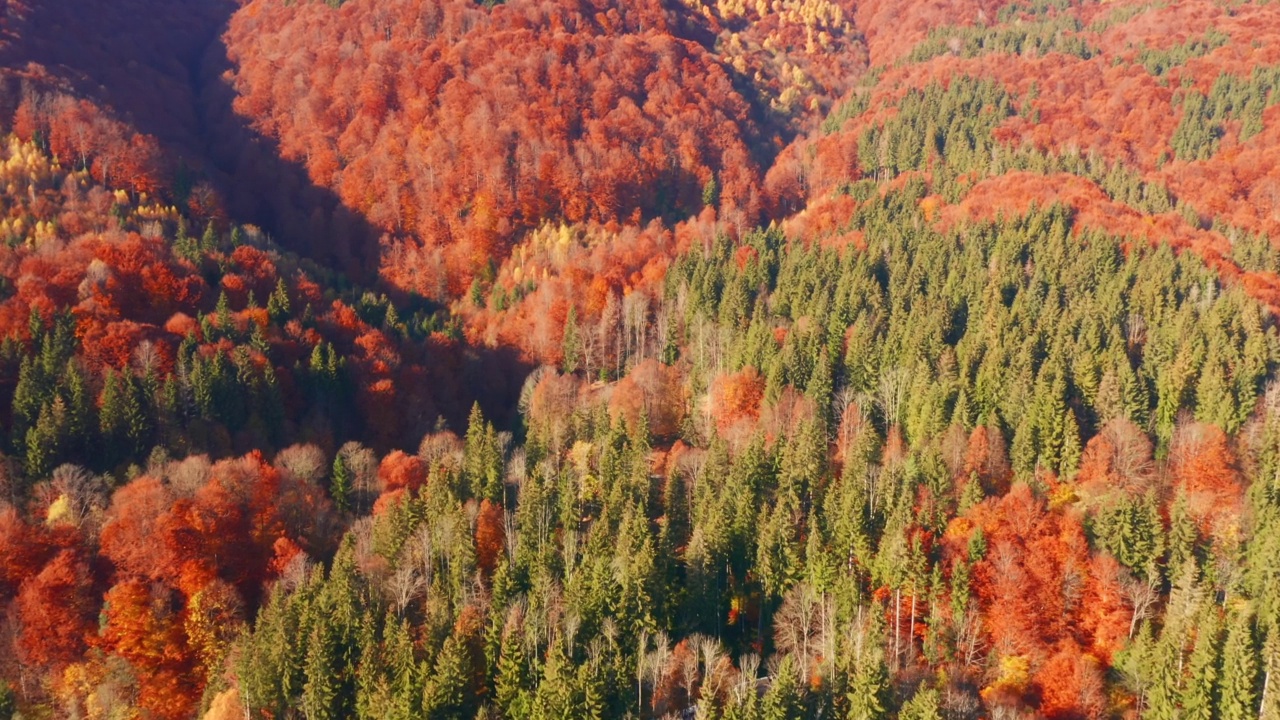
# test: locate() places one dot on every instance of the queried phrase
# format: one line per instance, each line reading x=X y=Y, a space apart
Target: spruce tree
x=785 y=699
x=445 y=693
x=340 y=484
x=1200 y=694
x=922 y=706
x=571 y=345
x=1239 y=700
x=869 y=693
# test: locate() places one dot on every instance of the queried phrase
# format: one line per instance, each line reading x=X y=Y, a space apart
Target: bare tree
x=80 y=495
x=798 y=624
x=1142 y=596
x=405 y=586
x=892 y=394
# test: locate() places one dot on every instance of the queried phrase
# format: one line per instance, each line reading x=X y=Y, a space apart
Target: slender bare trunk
x=911 y=630
x=897 y=626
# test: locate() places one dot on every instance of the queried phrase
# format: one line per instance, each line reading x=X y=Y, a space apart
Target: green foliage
x=1056 y=34
x=1158 y=62
x=1231 y=98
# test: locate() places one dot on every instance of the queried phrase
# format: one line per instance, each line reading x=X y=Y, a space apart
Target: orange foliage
x=489 y=125
x=1204 y=466
x=143 y=628
x=735 y=399
x=23 y=551
x=58 y=609
x=490 y=535
x=655 y=391
x=399 y=471
x=1045 y=599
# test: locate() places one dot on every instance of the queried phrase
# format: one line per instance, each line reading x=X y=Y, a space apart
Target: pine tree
x=514 y=684
x=43 y=441
x=554 y=698
x=113 y=418
x=402 y=671
x=278 y=302
x=28 y=398
x=1239 y=700
x=1270 y=701
x=869 y=693
x=320 y=694
x=1182 y=535
x=922 y=706
x=445 y=694
x=1200 y=694
x=138 y=425
x=340 y=484
x=571 y=346
x=784 y=700
x=223 y=312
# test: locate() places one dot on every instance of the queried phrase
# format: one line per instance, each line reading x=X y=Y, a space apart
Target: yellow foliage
x=1064 y=495
x=226 y=705
x=59 y=511
x=1015 y=672
x=580 y=455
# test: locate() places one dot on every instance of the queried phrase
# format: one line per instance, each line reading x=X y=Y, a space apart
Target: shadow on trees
x=161 y=67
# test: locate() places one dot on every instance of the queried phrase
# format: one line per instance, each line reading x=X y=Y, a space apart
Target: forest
x=548 y=359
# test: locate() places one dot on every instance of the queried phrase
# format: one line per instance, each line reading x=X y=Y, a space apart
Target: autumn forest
x=560 y=359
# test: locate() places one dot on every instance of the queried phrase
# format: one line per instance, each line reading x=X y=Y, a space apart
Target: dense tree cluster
x=455 y=127
x=940 y=388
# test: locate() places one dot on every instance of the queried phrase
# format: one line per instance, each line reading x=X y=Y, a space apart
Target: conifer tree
x=1200 y=694
x=445 y=693
x=922 y=706
x=340 y=484
x=785 y=699
x=1239 y=700
x=571 y=345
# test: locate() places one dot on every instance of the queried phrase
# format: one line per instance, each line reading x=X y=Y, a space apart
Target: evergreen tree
x=571 y=346
x=1200 y=694
x=514 y=684
x=922 y=706
x=321 y=695
x=445 y=694
x=785 y=698
x=278 y=302
x=1239 y=700
x=340 y=484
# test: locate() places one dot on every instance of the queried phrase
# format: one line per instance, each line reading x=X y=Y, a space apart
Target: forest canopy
x=584 y=359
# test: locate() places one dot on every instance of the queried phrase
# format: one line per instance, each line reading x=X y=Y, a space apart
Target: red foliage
x=58 y=608
x=1045 y=599
x=1117 y=459
x=134 y=523
x=399 y=471
x=655 y=391
x=23 y=551
x=487 y=124
x=1204 y=466
x=735 y=398
x=985 y=456
x=490 y=536
x=143 y=627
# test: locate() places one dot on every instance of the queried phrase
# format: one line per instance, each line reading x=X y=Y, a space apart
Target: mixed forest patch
x=572 y=358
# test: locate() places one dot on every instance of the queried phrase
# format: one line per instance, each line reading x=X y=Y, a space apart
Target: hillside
x=583 y=359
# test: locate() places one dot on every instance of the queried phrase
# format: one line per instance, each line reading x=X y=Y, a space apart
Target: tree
x=922 y=706
x=572 y=344
x=784 y=699
x=869 y=693
x=1239 y=700
x=445 y=694
x=1201 y=693
x=340 y=484
x=58 y=609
